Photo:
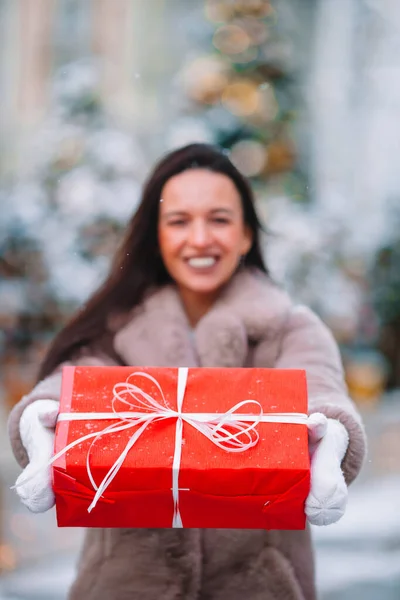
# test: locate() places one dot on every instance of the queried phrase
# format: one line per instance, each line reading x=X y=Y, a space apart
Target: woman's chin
x=205 y=285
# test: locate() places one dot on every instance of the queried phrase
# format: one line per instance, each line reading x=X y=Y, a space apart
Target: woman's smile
x=202 y=263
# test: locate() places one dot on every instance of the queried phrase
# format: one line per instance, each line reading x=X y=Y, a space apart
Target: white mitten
x=328 y=442
x=36 y=428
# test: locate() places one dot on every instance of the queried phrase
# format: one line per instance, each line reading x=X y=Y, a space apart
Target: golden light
x=256 y=8
x=241 y=98
x=219 y=11
x=365 y=380
x=8 y=558
x=280 y=156
x=205 y=78
x=231 y=39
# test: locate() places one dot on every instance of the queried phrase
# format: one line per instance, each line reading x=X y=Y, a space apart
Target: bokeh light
x=231 y=39
x=218 y=11
x=241 y=97
x=256 y=29
x=205 y=78
x=8 y=558
x=249 y=156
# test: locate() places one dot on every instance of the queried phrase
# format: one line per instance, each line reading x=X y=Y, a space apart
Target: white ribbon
x=231 y=431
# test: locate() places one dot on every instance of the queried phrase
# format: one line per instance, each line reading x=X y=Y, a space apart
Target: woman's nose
x=199 y=235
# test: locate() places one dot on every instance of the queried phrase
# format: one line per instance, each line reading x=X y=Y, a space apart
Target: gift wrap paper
x=263 y=487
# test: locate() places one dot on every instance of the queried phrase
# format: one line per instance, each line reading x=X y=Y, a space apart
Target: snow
x=82 y=169
x=339 y=570
x=46 y=582
x=373 y=513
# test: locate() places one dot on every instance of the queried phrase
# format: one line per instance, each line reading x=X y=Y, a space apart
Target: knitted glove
x=36 y=427
x=328 y=442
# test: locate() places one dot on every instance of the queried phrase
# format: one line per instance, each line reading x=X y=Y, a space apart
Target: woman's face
x=201 y=231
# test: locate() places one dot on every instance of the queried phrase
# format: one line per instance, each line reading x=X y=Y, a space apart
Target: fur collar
x=250 y=309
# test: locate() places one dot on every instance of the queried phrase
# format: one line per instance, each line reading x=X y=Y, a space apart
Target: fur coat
x=253 y=323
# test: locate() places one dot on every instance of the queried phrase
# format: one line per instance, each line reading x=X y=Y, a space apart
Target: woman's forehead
x=199 y=188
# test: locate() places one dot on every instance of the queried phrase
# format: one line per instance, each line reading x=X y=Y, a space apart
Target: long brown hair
x=137 y=265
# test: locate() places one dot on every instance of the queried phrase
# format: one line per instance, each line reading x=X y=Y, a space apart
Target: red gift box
x=175 y=473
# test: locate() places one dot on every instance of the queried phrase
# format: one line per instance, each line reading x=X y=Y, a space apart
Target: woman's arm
x=308 y=344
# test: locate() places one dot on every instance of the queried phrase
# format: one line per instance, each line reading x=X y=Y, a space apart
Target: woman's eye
x=220 y=220
x=178 y=222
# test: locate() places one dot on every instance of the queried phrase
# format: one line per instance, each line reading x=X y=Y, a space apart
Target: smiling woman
x=189 y=288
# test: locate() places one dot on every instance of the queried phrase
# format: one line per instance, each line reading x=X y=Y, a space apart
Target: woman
x=189 y=288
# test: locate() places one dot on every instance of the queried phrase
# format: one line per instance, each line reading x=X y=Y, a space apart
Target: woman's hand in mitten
x=328 y=442
x=36 y=427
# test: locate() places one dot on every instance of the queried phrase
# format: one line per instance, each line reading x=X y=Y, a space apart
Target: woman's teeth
x=202 y=262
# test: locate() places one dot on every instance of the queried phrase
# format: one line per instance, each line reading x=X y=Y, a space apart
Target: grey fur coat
x=253 y=323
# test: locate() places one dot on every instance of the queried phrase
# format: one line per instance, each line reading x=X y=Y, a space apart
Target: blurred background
x=304 y=96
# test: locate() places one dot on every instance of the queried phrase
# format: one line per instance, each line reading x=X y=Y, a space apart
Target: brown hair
x=137 y=266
